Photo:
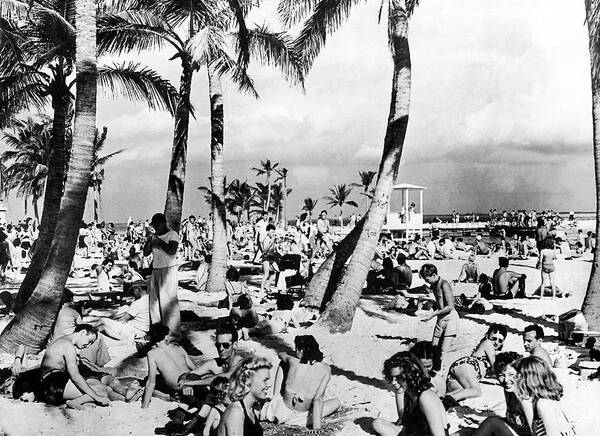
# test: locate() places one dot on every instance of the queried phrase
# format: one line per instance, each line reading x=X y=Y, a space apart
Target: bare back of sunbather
x=170 y=363
x=302 y=382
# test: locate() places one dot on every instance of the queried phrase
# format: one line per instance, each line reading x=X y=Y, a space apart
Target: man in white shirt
x=134 y=322
x=162 y=291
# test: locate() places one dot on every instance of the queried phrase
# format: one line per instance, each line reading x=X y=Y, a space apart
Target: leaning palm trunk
x=324 y=282
x=268 y=205
x=174 y=203
x=218 y=265
x=31 y=326
x=591 y=303
x=339 y=313
x=36 y=212
x=53 y=192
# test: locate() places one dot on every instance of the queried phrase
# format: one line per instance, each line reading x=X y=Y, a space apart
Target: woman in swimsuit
x=539 y=392
x=304 y=379
x=249 y=385
x=464 y=374
x=515 y=422
x=420 y=411
x=546 y=266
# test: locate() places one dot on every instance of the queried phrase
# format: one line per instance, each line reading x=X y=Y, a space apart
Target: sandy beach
x=356 y=359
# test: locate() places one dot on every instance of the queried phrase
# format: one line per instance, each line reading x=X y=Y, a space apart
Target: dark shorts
x=88 y=373
x=52 y=386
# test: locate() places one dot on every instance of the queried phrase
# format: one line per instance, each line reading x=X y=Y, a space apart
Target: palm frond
x=206 y=45
x=19 y=92
x=102 y=160
x=52 y=23
x=134 y=31
x=327 y=18
x=141 y=84
x=276 y=49
x=243 y=36
x=225 y=66
x=352 y=203
x=14 y=9
x=10 y=50
x=291 y=12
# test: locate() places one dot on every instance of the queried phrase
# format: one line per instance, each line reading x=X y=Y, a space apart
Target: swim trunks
x=446 y=326
x=52 y=386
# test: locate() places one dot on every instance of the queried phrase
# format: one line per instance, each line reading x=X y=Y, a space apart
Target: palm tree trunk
x=591 y=303
x=99 y=197
x=174 y=202
x=218 y=265
x=53 y=191
x=339 y=313
x=25 y=206
x=284 y=206
x=36 y=212
x=268 y=194
x=32 y=325
x=324 y=282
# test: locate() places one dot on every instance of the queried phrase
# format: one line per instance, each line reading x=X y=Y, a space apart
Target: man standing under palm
x=163 y=244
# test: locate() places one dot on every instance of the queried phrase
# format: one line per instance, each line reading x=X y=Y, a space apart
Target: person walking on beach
x=163 y=244
x=446 y=326
x=546 y=266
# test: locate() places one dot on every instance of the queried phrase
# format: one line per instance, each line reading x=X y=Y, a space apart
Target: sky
x=500 y=114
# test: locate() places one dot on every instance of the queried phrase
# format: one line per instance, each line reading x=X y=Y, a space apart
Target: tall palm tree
x=366 y=178
x=283 y=174
x=36 y=60
x=591 y=303
x=278 y=195
x=97 y=171
x=259 y=199
x=189 y=29
x=339 y=196
x=327 y=17
x=266 y=168
x=309 y=207
x=32 y=325
x=31 y=146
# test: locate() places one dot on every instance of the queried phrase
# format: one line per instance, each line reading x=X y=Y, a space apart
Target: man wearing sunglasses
x=224 y=365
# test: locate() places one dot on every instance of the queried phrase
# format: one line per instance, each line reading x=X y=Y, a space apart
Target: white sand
x=356 y=360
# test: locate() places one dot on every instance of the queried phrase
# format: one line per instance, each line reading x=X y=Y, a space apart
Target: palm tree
x=239 y=199
x=259 y=199
x=32 y=325
x=338 y=197
x=191 y=29
x=366 y=178
x=278 y=195
x=283 y=174
x=97 y=171
x=591 y=303
x=266 y=168
x=31 y=147
x=35 y=66
x=309 y=207
x=326 y=18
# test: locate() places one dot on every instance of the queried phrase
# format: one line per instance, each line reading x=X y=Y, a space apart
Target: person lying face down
x=303 y=394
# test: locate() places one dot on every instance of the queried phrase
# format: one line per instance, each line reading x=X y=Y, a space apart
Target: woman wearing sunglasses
x=464 y=374
x=420 y=411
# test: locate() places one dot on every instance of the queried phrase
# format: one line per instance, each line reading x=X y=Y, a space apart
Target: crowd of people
x=233 y=393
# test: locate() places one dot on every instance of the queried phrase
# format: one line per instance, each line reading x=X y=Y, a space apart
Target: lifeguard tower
x=405 y=212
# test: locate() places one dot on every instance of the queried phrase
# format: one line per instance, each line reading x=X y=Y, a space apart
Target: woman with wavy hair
x=420 y=411
x=249 y=385
x=300 y=400
x=540 y=392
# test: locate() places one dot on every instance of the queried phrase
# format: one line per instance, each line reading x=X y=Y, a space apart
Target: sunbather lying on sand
x=464 y=374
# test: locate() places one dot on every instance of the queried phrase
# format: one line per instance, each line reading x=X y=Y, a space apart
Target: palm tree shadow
x=366 y=424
